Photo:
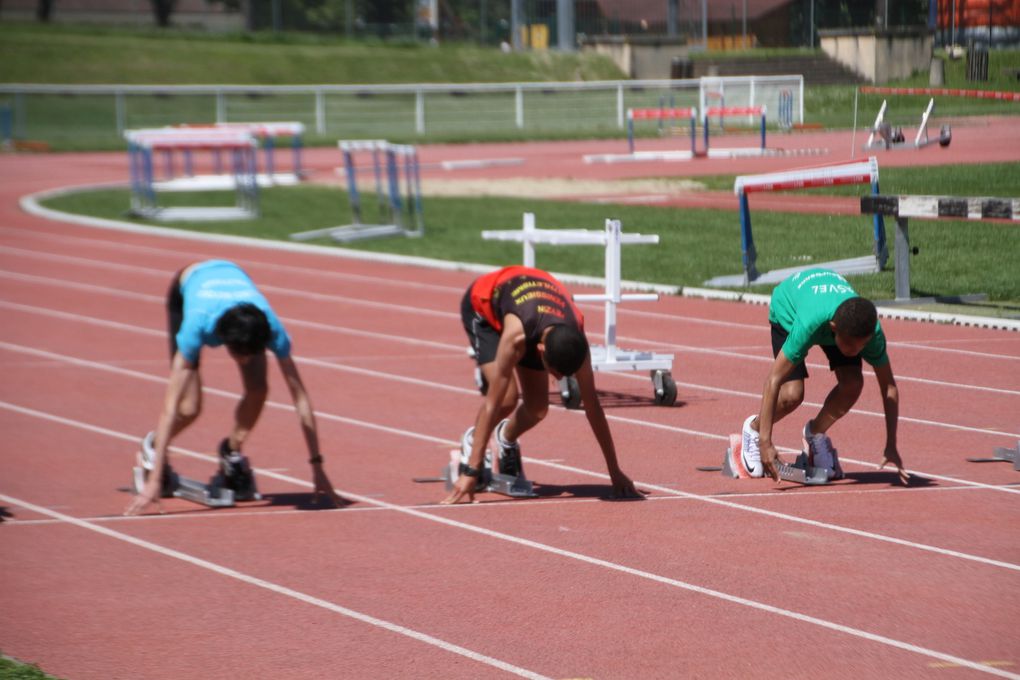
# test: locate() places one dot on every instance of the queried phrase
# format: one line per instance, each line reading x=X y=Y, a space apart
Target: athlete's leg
x=791 y=395
x=506 y=407
x=191 y=399
x=842 y=397
x=256 y=389
x=534 y=403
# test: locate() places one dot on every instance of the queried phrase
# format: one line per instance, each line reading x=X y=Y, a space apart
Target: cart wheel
x=570 y=392
x=667 y=395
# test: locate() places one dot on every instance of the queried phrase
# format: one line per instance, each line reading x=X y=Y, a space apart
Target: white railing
x=351 y=111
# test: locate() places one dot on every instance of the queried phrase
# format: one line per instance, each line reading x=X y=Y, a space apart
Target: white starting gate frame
x=608 y=357
x=143 y=145
x=881 y=136
x=401 y=167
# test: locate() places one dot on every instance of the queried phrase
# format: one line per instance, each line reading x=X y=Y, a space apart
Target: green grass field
x=955 y=258
x=54 y=54
x=13 y=670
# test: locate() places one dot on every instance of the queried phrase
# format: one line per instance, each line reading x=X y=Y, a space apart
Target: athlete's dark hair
x=855 y=317
x=244 y=329
x=565 y=349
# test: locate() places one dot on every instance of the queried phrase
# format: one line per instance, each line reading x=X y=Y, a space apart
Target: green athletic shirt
x=804 y=305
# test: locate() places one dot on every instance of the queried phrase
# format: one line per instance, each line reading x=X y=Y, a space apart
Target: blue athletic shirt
x=211 y=288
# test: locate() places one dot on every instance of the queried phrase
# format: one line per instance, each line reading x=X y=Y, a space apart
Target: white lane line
x=280 y=589
x=176 y=256
x=663 y=489
x=496 y=504
x=343 y=330
x=637 y=313
x=468 y=391
x=516 y=540
x=641 y=342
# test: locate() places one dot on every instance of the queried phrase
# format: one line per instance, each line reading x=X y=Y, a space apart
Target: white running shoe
x=467 y=441
x=147 y=454
x=821 y=452
x=750 y=453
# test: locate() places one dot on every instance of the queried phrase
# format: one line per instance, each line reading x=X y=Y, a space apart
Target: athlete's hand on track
x=624 y=488
x=150 y=494
x=769 y=461
x=464 y=486
x=891 y=455
x=324 y=491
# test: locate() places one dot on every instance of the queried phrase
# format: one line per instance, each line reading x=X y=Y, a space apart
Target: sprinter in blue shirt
x=210 y=304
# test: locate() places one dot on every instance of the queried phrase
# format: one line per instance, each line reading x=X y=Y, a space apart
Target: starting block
x=1002 y=455
x=507 y=485
x=212 y=495
x=798 y=471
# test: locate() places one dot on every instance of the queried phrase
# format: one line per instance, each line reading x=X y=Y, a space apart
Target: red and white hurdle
x=657 y=114
x=849 y=172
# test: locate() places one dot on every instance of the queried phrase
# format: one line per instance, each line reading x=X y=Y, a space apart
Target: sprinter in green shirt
x=819 y=307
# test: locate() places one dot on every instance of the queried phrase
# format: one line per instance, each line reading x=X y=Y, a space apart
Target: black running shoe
x=236 y=473
x=509 y=454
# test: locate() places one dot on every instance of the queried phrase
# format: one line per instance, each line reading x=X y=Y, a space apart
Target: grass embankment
x=30 y=53
x=955 y=257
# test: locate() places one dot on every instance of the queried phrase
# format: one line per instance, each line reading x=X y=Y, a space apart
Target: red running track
x=709 y=577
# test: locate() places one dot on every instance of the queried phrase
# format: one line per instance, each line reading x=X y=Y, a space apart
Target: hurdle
x=723 y=112
x=884 y=136
x=689 y=114
x=608 y=357
x=848 y=172
x=660 y=114
x=267 y=134
x=143 y=145
x=401 y=167
x=932 y=207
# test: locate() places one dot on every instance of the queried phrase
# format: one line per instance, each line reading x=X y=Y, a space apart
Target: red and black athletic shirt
x=532 y=295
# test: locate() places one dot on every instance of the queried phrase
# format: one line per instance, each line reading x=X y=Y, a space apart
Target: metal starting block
x=1002 y=455
x=514 y=487
x=798 y=471
x=210 y=495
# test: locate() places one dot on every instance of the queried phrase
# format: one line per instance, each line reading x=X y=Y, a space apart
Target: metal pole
x=482 y=20
x=811 y=28
x=704 y=23
x=952 y=32
x=565 y=25
x=744 y=44
x=516 y=23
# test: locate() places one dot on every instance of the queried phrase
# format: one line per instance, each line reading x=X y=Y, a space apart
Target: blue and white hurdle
x=393 y=165
x=180 y=167
x=144 y=145
x=849 y=172
x=607 y=357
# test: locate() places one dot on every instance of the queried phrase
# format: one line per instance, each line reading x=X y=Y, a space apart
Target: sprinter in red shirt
x=522 y=319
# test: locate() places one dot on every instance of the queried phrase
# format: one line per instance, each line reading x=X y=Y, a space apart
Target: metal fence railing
x=80 y=115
